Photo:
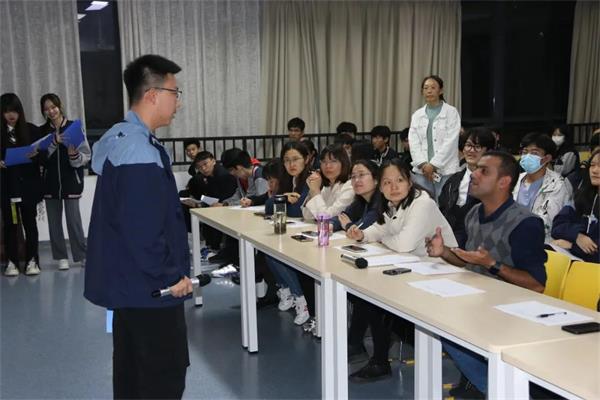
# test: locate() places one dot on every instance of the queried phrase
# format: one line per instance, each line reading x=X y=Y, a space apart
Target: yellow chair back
x=556 y=271
x=582 y=284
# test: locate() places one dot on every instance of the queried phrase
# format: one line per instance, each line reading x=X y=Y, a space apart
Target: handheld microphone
x=359 y=262
x=167 y=291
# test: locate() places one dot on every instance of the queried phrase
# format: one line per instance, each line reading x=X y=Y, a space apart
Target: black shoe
x=357 y=353
x=466 y=391
x=267 y=301
x=220 y=259
x=372 y=372
x=235 y=278
x=204 y=279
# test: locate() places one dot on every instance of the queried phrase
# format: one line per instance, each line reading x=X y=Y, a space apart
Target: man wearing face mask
x=543 y=191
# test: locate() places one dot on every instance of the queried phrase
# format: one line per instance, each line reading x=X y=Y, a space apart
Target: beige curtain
x=584 y=102
x=216 y=43
x=360 y=61
x=39 y=53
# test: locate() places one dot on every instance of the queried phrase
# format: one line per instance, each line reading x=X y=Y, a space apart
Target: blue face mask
x=531 y=163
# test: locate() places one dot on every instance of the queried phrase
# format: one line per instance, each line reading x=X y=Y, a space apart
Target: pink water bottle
x=323 y=229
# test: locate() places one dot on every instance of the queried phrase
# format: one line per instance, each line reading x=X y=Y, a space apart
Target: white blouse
x=332 y=200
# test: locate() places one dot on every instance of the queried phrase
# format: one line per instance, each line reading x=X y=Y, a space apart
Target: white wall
x=85 y=205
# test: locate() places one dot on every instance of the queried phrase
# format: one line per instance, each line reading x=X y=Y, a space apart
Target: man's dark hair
x=188 y=142
x=381 y=130
x=273 y=169
x=594 y=141
x=509 y=166
x=146 y=72
x=361 y=150
x=296 y=123
x=203 y=155
x=540 y=140
x=404 y=134
x=231 y=158
x=482 y=136
x=343 y=138
x=346 y=127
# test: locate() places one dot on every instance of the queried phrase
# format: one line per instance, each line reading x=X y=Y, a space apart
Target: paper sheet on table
x=251 y=208
x=566 y=252
x=73 y=135
x=197 y=202
x=337 y=236
x=390 y=259
x=371 y=250
x=17 y=155
x=531 y=310
x=209 y=200
x=445 y=287
x=430 y=268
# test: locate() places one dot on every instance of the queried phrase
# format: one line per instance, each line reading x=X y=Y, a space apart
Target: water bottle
x=280 y=214
x=323 y=229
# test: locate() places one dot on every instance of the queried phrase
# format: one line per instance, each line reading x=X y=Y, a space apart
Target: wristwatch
x=495 y=269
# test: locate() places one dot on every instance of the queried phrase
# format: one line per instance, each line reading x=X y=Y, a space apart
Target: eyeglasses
x=473 y=146
x=295 y=160
x=358 y=177
x=329 y=162
x=177 y=92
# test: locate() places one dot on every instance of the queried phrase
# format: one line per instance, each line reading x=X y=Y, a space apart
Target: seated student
x=566 y=159
x=212 y=181
x=334 y=193
x=250 y=181
x=405 y=145
x=192 y=147
x=504 y=241
x=293 y=184
x=346 y=131
x=362 y=212
x=454 y=199
x=543 y=191
x=408 y=215
x=295 y=127
x=347 y=128
x=362 y=150
x=380 y=138
x=576 y=227
x=271 y=172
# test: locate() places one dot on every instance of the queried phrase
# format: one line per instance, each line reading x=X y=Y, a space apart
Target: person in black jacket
x=19 y=186
x=380 y=138
x=63 y=183
x=454 y=200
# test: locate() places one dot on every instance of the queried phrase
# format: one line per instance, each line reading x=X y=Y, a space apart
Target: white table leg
x=197 y=264
x=318 y=307
x=327 y=340
x=243 y=291
x=341 y=340
x=428 y=365
x=506 y=381
x=250 y=292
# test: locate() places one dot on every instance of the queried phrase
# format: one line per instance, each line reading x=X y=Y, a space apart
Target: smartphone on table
x=396 y=271
x=354 y=248
x=302 y=238
x=586 y=327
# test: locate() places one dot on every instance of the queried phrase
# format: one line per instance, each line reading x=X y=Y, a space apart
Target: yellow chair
x=556 y=270
x=582 y=284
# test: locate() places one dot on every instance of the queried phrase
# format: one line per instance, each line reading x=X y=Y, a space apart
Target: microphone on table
x=199 y=280
x=359 y=262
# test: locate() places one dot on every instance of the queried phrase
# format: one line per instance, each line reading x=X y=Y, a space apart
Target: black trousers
x=150 y=353
x=27 y=213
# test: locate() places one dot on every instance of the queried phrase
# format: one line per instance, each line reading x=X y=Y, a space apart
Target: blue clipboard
x=73 y=135
x=45 y=142
x=18 y=155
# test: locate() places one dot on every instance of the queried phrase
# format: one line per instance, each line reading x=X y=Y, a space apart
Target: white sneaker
x=286 y=300
x=63 y=264
x=223 y=271
x=302 y=314
x=11 y=269
x=32 y=268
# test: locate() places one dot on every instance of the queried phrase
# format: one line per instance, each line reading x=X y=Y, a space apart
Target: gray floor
x=54 y=346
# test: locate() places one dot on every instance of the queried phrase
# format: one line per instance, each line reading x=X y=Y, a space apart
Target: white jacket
x=332 y=200
x=406 y=231
x=446 y=128
x=555 y=193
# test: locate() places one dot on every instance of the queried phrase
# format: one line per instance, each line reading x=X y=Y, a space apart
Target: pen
x=551 y=314
x=359 y=225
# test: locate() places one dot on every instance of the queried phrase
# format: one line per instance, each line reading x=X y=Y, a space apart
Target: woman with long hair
x=19 y=186
x=63 y=182
x=433 y=137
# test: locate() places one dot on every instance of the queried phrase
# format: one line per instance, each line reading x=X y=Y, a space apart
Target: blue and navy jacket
x=137 y=240
x=360 y=213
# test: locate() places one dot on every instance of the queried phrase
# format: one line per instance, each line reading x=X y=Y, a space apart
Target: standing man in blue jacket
x=137 y=239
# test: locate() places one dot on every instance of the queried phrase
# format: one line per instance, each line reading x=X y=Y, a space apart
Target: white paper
x=209 y=200
x=197 y=202
x=337 y=236
x=430 y=268
x=371 y=250
x=566 y=252
x=532 y=311
x=390 y=259
x=445 y=287
x=251 y=208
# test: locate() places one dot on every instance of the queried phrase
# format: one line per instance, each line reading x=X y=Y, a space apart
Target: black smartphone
x=396 y=271
x=578 y=329
x=302 y=238
x=310 y=233
x=354 y=248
